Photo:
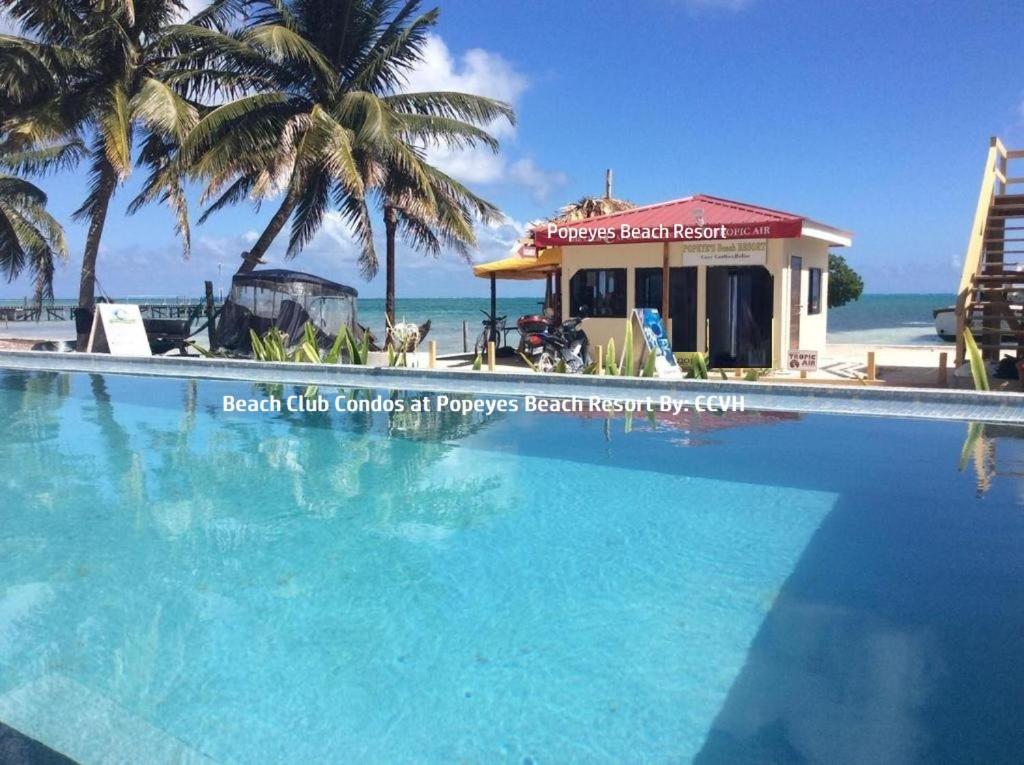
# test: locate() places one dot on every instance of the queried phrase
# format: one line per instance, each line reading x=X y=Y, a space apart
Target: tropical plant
x=333 y=123
x=977 y=364
x=695 y=364
x=30 y=238
x=121 y=74
x=275 y=345
x=844 y=284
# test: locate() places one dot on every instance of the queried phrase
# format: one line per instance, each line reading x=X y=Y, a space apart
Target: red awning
x=695 y=218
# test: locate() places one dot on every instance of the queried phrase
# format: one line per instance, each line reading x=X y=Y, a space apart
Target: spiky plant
x=119 y=75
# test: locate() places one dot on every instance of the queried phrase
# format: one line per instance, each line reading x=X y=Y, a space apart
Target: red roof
x=694 y=218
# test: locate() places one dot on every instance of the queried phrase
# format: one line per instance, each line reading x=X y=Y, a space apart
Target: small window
x=599 y=292
x=814 y=291
x=648 y=288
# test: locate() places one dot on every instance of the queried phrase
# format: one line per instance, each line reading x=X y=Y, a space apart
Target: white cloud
x=539 y=182
x=483 y=73
x=477 y=71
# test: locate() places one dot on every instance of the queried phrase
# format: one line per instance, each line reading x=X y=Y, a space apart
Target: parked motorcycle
x=566 y=342
x=534 y=324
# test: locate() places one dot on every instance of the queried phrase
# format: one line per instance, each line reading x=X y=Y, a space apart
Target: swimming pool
x=180 y=584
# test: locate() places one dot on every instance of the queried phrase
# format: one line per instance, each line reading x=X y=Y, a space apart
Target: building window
x=814 y=291
x=599 y=292
x=648 y=288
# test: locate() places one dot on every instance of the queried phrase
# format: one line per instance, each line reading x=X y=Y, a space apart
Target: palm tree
x=444 y=218
x=118 y=73
x=336 y=127
x=30 y=238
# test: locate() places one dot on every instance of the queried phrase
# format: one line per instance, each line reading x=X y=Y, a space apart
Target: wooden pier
x=168 y=310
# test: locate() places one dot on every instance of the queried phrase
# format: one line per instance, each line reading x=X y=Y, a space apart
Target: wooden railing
x=994 y=181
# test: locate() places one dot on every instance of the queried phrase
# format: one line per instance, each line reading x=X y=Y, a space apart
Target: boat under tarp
x=285 y=299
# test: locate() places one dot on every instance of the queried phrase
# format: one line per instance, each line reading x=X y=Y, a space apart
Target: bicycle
x=494 y=329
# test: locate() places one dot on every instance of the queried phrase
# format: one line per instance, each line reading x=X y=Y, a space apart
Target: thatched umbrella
x=591 y=207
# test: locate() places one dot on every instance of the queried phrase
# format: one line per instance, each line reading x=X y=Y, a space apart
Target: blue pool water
x=178 y=584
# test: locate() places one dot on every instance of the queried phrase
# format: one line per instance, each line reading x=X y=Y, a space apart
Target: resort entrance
x=682 y=301
x=739 y=310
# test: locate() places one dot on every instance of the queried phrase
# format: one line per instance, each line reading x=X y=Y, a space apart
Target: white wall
x=813 y=328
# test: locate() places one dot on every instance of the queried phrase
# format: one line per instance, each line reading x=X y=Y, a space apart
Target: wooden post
x=211 y=330
x=803 y=374
x=432 y=354
x=665 y=280
x=871 y=365
x=942 y=379
x=738 y=373
x=600 y=359
x=494 y=305
x=465 y=336
x=490 y=356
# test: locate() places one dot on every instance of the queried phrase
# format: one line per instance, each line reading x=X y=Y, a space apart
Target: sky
x=871 y=116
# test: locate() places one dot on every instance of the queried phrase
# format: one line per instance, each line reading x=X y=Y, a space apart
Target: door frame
x=796 y=290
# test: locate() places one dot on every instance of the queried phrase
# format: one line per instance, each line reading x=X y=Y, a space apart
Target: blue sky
x=872 y=116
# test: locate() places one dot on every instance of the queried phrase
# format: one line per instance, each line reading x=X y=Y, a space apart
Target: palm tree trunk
x=252 y=258
x=390 y=231
x=87 y=283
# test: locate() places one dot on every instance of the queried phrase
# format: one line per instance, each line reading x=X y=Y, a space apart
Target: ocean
x=874 y=319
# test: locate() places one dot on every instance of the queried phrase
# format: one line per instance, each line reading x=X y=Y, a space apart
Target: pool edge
x=917 y=403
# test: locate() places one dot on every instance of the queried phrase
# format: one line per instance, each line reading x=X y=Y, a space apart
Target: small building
x=746 y=284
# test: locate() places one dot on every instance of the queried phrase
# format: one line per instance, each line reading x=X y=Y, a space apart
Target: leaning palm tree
x=115 y=72
x=335 y=127
x=30 y=238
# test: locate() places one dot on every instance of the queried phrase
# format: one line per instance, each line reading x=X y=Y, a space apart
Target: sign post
x=803 y=361
x=117 y=329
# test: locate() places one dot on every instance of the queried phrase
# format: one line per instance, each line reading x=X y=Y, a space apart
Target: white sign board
x=803 y=361
x=737 y=252
x=117 y=329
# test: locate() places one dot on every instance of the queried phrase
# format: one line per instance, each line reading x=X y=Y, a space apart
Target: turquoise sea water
x=877 y=319
x=180 y=584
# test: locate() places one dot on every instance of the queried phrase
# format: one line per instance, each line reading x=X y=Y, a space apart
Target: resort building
x=746 y=284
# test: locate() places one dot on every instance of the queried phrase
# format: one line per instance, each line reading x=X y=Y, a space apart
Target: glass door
x=682 y=301
x=739 y=316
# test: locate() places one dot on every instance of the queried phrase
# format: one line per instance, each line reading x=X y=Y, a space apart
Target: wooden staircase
x=991 y=296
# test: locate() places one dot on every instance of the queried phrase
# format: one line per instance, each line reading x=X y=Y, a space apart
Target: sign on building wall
x=739 y=252
x=117 y=329
x=803 y=361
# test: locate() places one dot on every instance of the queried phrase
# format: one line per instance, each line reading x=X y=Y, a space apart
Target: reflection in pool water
x=178 y=584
